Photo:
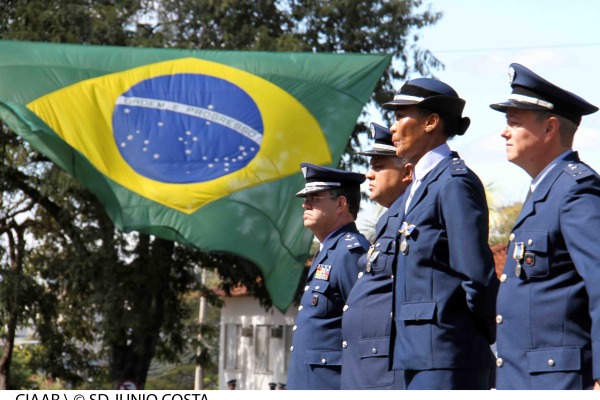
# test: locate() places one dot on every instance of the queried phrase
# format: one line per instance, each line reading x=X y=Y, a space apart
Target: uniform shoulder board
x=458 y=167
x=578 y=171
x=351 y=242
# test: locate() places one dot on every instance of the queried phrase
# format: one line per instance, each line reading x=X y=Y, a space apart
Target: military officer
x=445 y=283
x=367 y=322
x=331 y=204
x=549 y=300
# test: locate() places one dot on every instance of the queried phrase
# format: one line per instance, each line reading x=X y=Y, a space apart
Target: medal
x=404 y=246
x=372 y=257
x=519 y=251
x=405 y=230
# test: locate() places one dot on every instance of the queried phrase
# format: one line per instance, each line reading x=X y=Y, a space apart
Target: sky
x=477 y=40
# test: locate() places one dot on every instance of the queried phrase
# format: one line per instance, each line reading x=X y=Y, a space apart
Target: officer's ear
x=408 y=173
x=552 y=126
x=342 y=203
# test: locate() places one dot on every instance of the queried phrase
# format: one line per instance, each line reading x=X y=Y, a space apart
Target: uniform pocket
x=318 y=302
x=555 y=368
x=417 y=311
x=534 y=262
x=553 y=360
x=374 y=362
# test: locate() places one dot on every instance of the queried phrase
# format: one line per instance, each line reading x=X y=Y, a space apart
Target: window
x=263 y=334
x=232 y=340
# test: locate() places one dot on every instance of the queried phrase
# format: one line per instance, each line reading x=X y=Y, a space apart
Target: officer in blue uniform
x=367 y=321
x=549 y=300
x=331 y=204
x=445 y=283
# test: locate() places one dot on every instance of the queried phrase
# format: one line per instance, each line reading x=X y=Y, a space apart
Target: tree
x=106 y=295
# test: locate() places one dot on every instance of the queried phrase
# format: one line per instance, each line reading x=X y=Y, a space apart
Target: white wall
x=247 y=313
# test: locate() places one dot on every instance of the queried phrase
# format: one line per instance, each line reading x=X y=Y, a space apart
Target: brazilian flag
x=201 y=147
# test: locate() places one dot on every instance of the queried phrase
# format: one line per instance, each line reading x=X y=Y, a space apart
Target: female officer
x=445 y=285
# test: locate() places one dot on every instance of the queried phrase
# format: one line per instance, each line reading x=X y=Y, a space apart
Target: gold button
x=503 y=278
x=498 y=319
x=551 y=362
x=499 y=362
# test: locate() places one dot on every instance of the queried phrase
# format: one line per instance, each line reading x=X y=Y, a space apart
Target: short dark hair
x=352 y=196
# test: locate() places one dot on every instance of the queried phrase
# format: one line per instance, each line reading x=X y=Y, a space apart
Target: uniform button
x=323 y=361
x=344 y=344
x=291 y=348
x=529 y=242
x=349 y=245
x=503 y=278
x=511 y=237
x=392 y=276
x=499 y=319
x=360 y=275
x=317 y=287
x=378 y=244
x=499 y=362
x=345 y=308
x=551 y=362
x=374 y=350
x=306 y=288
x=391 y=315
x=294 y=328
x=300 y=308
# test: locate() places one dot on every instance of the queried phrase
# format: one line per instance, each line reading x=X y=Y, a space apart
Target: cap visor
x=515 y=104
x=398 y=103
x=374 y=152
x=306 y=191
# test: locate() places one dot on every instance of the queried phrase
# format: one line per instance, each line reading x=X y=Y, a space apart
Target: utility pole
x=199 y=375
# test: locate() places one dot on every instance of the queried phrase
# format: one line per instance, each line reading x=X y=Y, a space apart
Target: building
x=254 y=343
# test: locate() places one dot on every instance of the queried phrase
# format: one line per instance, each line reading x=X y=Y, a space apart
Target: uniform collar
x=429 y=161
x=538 y=179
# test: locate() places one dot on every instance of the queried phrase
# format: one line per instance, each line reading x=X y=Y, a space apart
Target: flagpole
x=199 y=375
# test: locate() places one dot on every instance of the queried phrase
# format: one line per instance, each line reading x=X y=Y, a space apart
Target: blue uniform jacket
x=446 y=285
x=367 y=322
x=316 y=352
x=549 y=315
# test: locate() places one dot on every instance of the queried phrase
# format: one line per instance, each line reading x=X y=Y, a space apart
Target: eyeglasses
x=310 y=200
